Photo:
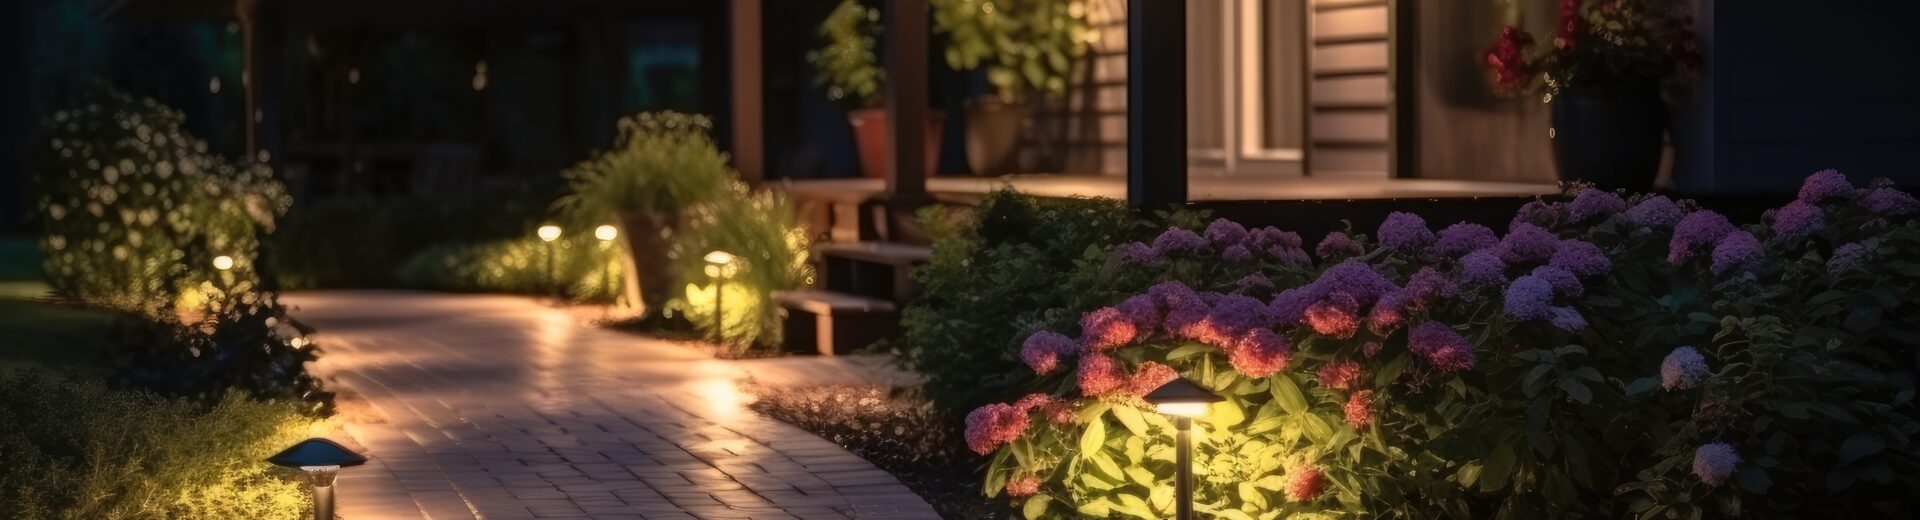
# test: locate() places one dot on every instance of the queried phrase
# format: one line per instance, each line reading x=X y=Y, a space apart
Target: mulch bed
x=899 y=432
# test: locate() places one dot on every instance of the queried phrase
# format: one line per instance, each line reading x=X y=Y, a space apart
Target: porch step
x=881 y=270
x=833 y=323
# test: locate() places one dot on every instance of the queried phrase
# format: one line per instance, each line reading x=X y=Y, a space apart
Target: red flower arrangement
x=1599 y=42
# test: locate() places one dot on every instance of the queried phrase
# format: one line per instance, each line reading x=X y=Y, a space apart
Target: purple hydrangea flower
x=1581 y=258
x=1142 y=311
x=1564 y=283
x=1172 y=294
x=1290 y=306
x=1254 y=280
x=1404 y=231
x=1528 y=298
x=1233 y=315
x=1848 y=257
x=1684 y=369
x=1441 y=347
x=1236 y=253
x=1137 y=253
x=1825 y=184
x=1537 y=213
x=1337 y=245
x=1289 y=255
x=1567 y=319
x=1697 y=233
x=1656 y=212
x=1799 y=220
x=1042 y=351
x=1390 y=312
x=1713 y=463
x=1355 y=278
x=1336 y=316
x=1270 y=236
x=1176 y=241
x=1483 y=267
x=1594 y=203
x=1427 y=286
x=1736 y=250
x=1223 y=233
x=1464 y=237
x=1527 y=243
x=1106 y=329
x=1888 y=201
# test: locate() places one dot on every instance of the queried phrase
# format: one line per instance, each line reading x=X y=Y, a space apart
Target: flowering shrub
x=133 y=209
x=1608 y=356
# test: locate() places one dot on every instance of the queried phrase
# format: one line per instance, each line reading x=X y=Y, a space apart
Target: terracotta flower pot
x=652 y=282
x=870 y=137
x=993 y=135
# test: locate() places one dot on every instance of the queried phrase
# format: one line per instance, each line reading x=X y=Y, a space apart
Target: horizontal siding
x=1343 y=24
x=1351 y=91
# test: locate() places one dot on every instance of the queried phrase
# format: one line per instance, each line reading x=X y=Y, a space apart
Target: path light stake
x=549 y=233
x=321 y=459
x=719 y=265
x=606 y=233
x=1183 y=401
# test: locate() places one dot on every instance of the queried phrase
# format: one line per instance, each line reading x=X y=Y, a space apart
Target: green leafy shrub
x=849 y=65
x=246 y=345
x=358 y=241
x=584 y=268
x=72 y=449
x=133 y=209
x=770 y=254
x=1605 y=358
x=1025 y=45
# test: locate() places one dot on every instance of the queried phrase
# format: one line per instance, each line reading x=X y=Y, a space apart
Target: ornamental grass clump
x=1613 y=355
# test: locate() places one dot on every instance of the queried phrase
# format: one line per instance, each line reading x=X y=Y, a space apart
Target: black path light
x=549 y=233
x=720 y=265
x=320 y=459
x=1183 y=401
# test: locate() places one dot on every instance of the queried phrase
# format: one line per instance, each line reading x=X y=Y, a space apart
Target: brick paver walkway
x=495 y=407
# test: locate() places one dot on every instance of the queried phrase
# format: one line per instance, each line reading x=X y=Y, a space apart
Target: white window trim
x=1243 y=105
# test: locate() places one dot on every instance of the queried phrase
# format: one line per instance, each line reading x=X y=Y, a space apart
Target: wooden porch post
x=1156 y=103
x=749 y=113
x=906 y=95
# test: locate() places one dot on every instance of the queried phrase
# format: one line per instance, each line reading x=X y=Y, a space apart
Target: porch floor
x=1200 y=188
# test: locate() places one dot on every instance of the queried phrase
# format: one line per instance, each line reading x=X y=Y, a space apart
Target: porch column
x=748 y=84
x=906 y=95
x=1156 y=103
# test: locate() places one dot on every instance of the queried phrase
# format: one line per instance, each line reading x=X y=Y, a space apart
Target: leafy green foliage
x=769 y=248
x=71 y=449
x=133 y=209
x=1025 y=45
x=849 y=66
x=661 y=162
x=584 y=268
x=246 y=345
x=358 y=241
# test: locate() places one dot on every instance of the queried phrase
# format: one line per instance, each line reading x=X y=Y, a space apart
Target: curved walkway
x=497 y=407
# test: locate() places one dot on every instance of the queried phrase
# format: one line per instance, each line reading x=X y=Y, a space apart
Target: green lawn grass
x=19 y=258
x=35 y=333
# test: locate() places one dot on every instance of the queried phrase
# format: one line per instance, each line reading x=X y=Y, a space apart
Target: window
x=1245 y=62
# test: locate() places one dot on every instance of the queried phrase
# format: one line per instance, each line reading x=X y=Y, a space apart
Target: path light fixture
x=549 y=233
x=320 y=459
x=606 y=233
x=720 y=264
x=223 y=262
x=1183 y=401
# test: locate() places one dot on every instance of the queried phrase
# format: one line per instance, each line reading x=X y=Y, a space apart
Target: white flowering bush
x=133 y=210
x=1608 y=356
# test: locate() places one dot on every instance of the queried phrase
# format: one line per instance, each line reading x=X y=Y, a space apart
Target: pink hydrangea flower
x=1581 y=258
x=1100 y=375
x=1656 y=212
x=1538 y=213
x=1684 y=369
x=1592 y=203
x=1404 y=231
x=994 y=425
x=1055 y=410
x=1696 y=234
x=1174 y=294
x=1236 y=253
x=1270 y=236
x=1389 y=313
x=1223 y=233
x=1825 y=184
x=1527 y=243
x=1106 y=329
x=1359 y=409
x=1799 y=220
x=1260 y=353
x=1340 y=374
x=1848 y=257
x=1233 y=315
x=1483 y=267
x=1564 y=283
x=1567 y=319
x=1042 y=351
x=1737 y=250
x=1337 y=245
x=1528 y=298
x=1025 y=485
x=1305 y=483
x=1713 y=463
x=1150 y=376
x=1462 y=238
x=1252 y=281
x=1142 y=310
x=1442 y=347
x=1178 y=241
x=1336 y=315
x=1289 y=255
x=1889 y=202
x=1428 y=286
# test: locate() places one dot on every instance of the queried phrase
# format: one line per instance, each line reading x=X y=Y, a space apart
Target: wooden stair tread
x=876 y=252
x=830 y=302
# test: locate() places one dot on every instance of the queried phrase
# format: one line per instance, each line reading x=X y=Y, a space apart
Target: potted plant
x=1026 y=47
x=662 y=165
x=850 y=70
x=1603 y=75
